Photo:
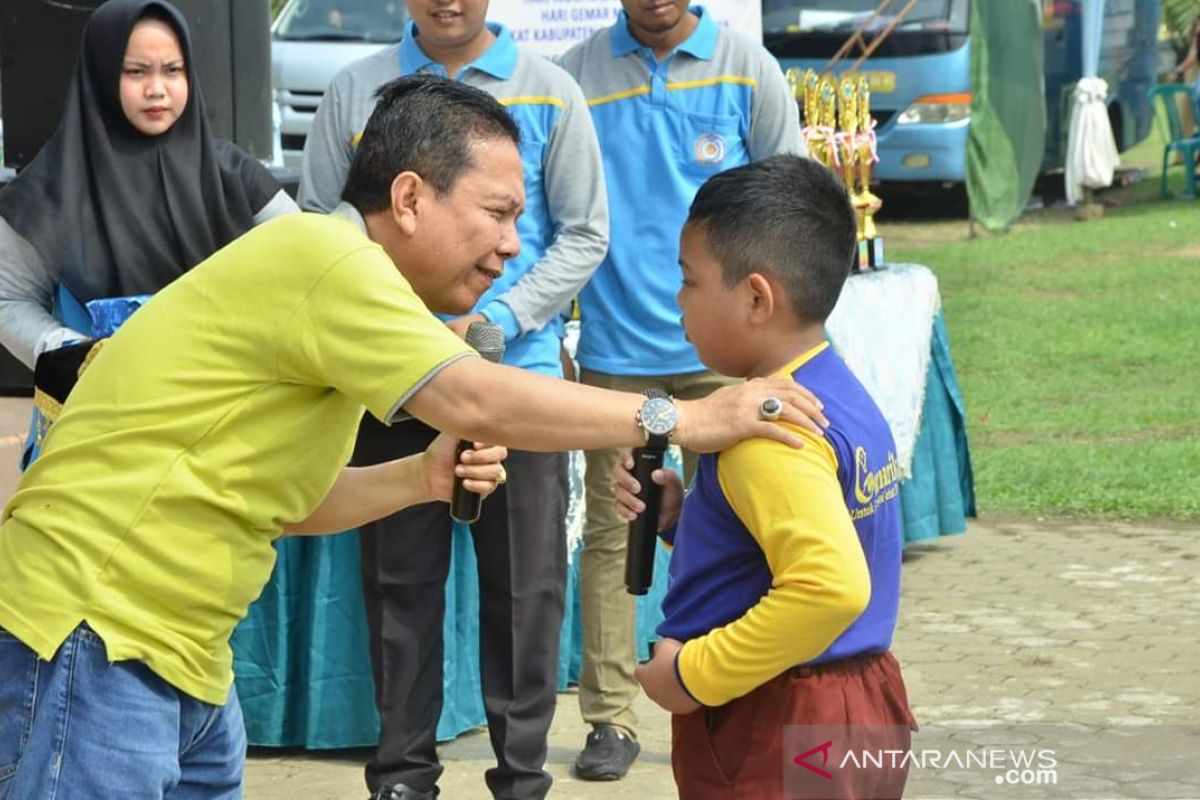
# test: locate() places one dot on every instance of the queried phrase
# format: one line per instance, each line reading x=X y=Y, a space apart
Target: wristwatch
x=657 y=418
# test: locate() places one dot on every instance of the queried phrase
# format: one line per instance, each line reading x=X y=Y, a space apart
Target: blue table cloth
x=301 y=657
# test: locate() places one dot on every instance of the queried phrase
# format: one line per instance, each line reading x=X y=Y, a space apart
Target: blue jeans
x=82 y=726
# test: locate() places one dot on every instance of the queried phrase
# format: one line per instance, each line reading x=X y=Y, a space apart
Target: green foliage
x=1177 y=15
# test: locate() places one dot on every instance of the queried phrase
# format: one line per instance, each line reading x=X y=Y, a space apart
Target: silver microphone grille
x=488 y=339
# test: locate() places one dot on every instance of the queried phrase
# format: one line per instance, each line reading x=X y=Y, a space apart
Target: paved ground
x=1020 y=622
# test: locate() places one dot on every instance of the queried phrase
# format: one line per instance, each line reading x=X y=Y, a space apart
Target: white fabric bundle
x=883 y=326
x=1091 y=152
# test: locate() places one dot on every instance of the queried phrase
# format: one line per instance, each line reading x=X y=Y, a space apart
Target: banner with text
x=550 y=27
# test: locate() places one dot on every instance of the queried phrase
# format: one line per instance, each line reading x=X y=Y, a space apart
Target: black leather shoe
x=398 y=791
x=607 y=755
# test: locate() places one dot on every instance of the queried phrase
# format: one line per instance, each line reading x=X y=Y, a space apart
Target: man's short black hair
x=787 y=217
x=424 y=124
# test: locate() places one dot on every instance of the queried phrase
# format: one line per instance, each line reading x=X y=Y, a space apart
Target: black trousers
x=520 y=544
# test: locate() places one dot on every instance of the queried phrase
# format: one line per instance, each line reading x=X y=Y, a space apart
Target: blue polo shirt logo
x=710 y=149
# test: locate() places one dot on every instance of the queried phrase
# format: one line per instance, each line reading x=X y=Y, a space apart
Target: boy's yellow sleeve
x=791 y=502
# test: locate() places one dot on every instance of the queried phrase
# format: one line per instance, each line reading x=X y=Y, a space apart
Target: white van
x=310 y=41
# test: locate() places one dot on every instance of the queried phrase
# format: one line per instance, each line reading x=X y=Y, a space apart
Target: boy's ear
x=762 y=298
x=406 y=199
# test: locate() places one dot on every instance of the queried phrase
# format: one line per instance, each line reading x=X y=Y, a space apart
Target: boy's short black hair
x=424 y=124
x=786 y=216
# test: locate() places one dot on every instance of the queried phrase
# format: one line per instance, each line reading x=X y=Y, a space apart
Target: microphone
x=643 y=531
x=488 y=339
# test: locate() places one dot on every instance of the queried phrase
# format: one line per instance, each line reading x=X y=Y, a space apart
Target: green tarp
x=1008 y=111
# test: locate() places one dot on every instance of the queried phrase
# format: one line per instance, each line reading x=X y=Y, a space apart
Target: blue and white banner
x=550 y=27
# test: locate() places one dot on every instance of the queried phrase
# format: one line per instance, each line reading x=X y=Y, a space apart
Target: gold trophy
x=838 y=132
x=823 y=142
x=865 y=202
x=795 y=83
x=848 y=155
x=811 y=98
x=810 y=102
x=812 y=89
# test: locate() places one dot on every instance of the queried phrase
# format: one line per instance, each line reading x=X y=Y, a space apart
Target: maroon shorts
x=737 y=750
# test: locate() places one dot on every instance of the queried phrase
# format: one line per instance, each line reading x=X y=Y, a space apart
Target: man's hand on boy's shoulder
x=660 y=679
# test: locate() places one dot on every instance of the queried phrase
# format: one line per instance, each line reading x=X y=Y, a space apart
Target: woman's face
x=154 y=84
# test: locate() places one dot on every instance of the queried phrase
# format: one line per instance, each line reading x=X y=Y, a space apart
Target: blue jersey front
x=719 y=566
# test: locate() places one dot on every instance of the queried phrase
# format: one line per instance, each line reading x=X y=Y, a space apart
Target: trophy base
x=870 y=254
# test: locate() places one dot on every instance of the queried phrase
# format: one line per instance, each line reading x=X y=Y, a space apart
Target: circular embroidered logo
x=710 y=149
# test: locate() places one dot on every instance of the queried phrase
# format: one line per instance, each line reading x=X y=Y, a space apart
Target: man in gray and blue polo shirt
x=520 y=539
x=675 y=100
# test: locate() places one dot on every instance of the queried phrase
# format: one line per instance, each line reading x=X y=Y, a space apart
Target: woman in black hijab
x=130 y=192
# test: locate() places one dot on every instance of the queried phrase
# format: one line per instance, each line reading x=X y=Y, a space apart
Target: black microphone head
x=488 y=339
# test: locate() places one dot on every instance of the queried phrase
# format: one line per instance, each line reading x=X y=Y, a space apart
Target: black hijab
x=113 y=211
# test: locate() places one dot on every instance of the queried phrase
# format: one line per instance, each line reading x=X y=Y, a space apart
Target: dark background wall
x=39 y=40
x=230 y=44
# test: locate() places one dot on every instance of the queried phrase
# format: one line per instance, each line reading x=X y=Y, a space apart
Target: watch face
x=658 y=416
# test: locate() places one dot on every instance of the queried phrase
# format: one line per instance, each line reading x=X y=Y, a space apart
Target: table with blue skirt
x=301 y=655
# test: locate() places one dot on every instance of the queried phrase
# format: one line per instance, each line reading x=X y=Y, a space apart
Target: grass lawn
x=1078 y=348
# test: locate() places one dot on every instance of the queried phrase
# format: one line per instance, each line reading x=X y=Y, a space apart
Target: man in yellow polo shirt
x=221 y=416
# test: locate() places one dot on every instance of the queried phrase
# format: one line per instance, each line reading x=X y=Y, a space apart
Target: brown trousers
x=736 y=751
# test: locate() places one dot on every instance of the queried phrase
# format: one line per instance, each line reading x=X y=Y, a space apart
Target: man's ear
x=761 y=298
x=406 y=201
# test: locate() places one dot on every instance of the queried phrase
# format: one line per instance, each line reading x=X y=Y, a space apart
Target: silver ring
x=770 y=409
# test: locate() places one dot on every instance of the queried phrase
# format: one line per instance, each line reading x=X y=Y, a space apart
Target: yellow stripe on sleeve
x=610 y=98
x=532 y=101
x=719 y=79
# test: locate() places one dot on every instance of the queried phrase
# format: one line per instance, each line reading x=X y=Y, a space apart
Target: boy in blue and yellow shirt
x=785 y=572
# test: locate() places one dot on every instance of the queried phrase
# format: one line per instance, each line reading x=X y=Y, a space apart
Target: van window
x=844 y=16
x=342 y=20
x=816 y=29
